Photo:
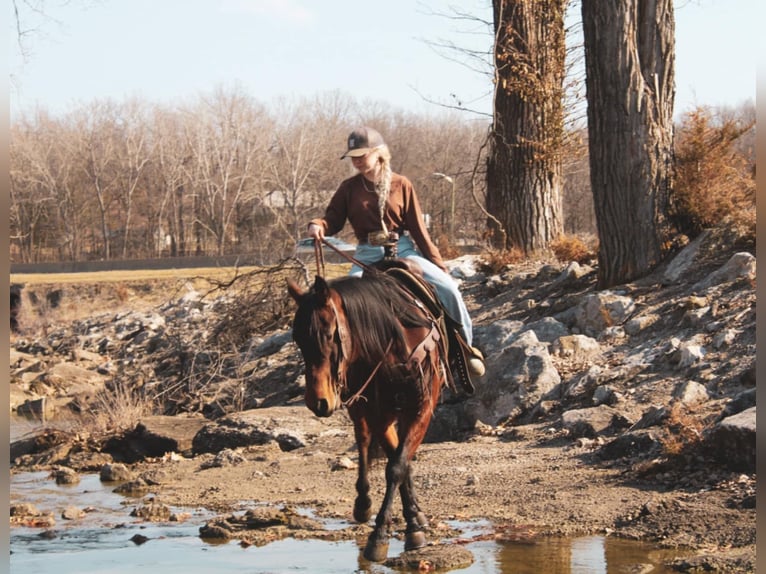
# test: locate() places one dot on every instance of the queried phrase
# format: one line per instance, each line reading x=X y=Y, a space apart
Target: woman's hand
x=316 y=231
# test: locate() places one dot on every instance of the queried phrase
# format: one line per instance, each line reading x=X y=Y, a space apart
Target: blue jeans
x=445 y=286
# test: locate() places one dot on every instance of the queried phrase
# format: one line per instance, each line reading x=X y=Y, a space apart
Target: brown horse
x=369 y=345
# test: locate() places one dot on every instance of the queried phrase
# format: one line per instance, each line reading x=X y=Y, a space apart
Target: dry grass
x=118 y=407
x=683 y=431
x=572 y=248
x=497 y=259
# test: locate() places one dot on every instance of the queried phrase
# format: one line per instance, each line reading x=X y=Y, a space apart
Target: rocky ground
x=628 y=412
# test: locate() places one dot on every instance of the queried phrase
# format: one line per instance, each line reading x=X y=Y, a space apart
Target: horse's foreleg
x=413 y=515
x=362 y=503
x=377 y=543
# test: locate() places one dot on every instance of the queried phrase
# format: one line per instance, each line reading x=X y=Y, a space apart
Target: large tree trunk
x=629 y=58
x=524 y=165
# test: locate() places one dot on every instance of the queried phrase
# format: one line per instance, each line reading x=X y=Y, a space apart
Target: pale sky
x=169 y=51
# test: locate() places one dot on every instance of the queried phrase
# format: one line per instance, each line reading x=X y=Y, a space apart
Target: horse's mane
x=377 y=310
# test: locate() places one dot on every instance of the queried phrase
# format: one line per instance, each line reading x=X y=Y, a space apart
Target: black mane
x=377 y=309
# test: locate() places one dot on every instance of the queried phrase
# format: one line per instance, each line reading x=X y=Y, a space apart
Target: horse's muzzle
x=323 y=408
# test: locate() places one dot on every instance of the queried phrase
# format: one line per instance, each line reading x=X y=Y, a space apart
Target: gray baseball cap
x=362 y=141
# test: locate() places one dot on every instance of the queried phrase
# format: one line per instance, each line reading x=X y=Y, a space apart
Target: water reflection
x=585 y=555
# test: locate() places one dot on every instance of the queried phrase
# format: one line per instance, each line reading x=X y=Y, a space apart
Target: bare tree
x=630 y=59
x=133 y=151
x=524 y=165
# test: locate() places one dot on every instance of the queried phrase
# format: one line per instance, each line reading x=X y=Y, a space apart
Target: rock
x=516 y=379
x=135 y=488
x=606 y=395
x=138 y=539
x=690 y=354
x=272 y=344
x=41 y=408
x=73 y=379
x=739 y=403
x=691 y=393
x=72 y=513
x=439 y=557
x=226 y=457
x=638 y=324
x=493 y=338
x=724 y=339
x=548 y=329
x=594 y=421
x=598 y=311
x=155 y=436
x=28 y=515
x=733 y=441
x=683 y=262
x=578 y=348
x=88 y=461
x=583 y=383
x=653 y=416
x=215 y=532
x=343 y=463
x=740 y=265
x=639 y=443
x=261 y=426
x=116 y=472
x=154 y=511
x=64 y=475
x=572 y=272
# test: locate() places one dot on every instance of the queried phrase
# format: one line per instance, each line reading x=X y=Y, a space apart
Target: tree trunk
x=629 y=58
x=524 y=165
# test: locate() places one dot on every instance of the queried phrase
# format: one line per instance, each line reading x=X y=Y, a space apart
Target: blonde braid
x=383 y=185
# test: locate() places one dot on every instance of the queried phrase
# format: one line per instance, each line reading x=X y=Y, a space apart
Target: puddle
x=101 y=543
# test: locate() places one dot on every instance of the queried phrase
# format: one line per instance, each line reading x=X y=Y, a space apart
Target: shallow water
x=101 y=543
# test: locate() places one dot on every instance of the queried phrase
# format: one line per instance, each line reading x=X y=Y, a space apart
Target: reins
x=319 y=254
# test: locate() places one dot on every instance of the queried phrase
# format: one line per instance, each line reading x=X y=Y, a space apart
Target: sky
x=169 y=51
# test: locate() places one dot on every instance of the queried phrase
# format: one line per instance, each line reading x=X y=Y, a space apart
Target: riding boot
x=476 y=362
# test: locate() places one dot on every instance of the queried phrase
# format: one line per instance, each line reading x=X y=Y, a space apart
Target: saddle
x=410 y=277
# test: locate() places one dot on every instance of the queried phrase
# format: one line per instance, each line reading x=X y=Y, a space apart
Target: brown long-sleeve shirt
x=354 y=203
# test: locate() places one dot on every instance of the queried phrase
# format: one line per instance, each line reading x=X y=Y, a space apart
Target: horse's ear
x=321 y=288
x=294 y=290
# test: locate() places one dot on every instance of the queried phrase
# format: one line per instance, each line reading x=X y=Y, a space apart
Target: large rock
x=682 y=263
x=732 y=441
x=290 y=427
x=739 y=265
x=155 y=436
x=594 y=421
x=516 y=379
x=599 y=311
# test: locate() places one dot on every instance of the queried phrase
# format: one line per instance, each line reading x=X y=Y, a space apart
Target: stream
x=100 y=542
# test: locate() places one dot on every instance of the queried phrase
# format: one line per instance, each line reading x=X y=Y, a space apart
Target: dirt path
x=532 y=480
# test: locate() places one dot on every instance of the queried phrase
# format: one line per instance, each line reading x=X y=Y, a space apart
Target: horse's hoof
x=362 y=512
x=421 y=519
x=414 y=539
x=376 y=551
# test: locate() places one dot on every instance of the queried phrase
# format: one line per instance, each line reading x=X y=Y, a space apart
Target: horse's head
x=320 y=331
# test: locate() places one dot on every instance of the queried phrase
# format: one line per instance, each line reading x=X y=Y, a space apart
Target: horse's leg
x=413 y=515
x=362 y=503
x=377 y=543
x=413 y=436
